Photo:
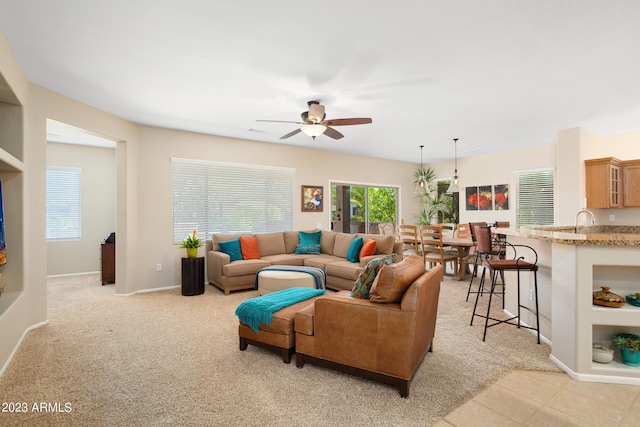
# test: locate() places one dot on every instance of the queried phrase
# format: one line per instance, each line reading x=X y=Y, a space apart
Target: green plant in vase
x=629 y=345
x=191 y=243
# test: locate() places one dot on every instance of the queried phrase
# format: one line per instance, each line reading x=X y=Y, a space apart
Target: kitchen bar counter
x=607 y=235
x=571 y=267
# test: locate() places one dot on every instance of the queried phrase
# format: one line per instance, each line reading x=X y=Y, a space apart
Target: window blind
x=536 y=197
x=63 y=203
x=215 y=197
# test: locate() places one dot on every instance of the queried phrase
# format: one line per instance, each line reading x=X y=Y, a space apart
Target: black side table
x=192 y=276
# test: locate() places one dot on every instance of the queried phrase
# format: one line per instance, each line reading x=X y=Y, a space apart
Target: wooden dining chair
x=407 y=234
x=463 y=230
x=433 y=250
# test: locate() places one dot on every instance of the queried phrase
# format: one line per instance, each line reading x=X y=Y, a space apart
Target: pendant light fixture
x=421 y=183
x=453 y=186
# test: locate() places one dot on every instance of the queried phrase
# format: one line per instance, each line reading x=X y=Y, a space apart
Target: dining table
x=463 y=245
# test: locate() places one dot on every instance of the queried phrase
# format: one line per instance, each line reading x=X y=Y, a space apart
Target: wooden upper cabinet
x=604 y=183
x=631 y=183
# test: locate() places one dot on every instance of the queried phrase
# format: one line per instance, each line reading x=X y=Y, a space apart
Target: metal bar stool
x=494 y=249
x=498 y=267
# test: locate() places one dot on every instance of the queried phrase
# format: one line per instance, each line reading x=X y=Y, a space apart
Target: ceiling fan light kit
x=313 y=130
x=314 y=124
x=454 y=185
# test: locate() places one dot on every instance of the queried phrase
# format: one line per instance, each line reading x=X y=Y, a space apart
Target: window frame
x=68 y=208
x=220 y=188
x=543 y=219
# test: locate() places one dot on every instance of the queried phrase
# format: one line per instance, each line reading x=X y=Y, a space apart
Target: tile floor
x=528 y=398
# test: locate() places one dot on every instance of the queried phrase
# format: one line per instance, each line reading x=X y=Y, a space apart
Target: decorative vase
x=192 y=252
x=607 y=298
x=630 y=358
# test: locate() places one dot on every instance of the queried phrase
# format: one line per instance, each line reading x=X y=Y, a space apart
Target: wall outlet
x=530 y=294
x=158 y=267
x=612 y=218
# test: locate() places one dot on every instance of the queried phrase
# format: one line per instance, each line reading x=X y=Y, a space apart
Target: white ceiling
x=498 y=74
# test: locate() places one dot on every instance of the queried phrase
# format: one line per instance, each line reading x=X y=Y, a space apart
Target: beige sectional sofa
x=279 y=249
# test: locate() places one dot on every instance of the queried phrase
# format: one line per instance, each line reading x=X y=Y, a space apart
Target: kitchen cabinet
x=604 y=183
x=631 y=183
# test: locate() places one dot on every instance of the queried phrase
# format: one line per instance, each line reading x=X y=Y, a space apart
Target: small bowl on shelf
x=601 y=354
x=634 y=299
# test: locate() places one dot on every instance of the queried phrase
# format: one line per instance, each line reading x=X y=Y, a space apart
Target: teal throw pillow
x=307 y=238
x=368 y=274
x=353 y=254
x=232 y=248
x=308 y=249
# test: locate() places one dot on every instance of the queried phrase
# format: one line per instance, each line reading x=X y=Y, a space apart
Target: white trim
x=55 y=276
x=228 y=164
x=143 y=291
x=24 y=334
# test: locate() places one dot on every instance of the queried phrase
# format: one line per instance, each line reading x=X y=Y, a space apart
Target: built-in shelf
x=8 y=163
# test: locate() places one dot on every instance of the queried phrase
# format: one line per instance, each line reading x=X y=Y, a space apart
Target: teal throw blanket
x=259 y=310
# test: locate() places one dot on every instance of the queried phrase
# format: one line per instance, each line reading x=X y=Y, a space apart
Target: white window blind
x=63 y=203
x=535 y=197
x=214 y=197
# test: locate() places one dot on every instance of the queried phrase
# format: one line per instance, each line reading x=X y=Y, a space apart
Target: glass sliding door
x=362 y=208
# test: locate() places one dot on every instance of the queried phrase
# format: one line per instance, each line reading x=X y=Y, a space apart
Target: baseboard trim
x=144 y=291
x=55 y=276
x=24 y=334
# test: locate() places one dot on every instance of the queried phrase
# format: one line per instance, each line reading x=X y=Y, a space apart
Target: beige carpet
x=163 y=359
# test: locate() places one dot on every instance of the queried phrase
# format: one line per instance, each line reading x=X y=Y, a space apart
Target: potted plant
x=629 y=345
x=191 y=243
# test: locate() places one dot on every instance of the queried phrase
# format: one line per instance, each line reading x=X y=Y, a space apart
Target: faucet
x=589 y=213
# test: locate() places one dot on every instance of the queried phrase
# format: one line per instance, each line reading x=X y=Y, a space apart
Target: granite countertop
x=600 y=235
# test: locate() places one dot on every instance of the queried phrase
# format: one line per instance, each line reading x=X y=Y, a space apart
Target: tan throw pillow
x=393 y=280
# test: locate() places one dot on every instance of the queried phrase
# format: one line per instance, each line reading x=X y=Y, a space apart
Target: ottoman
x=277 y=280
x=279 y=336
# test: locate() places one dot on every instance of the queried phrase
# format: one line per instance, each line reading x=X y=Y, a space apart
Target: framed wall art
x=312 y=198
x=501 y=197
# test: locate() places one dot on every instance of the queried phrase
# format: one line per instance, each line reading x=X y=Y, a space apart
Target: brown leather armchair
x=381 y=341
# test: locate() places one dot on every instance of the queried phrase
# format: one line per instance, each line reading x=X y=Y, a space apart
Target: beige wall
x=567 y=156
x=313 y=167
x=98 y=199
x=496 y=169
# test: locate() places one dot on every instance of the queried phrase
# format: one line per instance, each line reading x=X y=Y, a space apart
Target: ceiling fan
x=314 y=123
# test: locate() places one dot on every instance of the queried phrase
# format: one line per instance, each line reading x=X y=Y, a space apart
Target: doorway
x=358 y=208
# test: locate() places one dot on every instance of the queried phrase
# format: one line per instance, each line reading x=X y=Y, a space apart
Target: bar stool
x=499 y=266
x=494 y=249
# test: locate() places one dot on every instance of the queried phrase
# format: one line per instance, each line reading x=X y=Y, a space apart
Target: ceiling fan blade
x=345 y=122
x=293 y=132
x=280 y=121
x=332 y=133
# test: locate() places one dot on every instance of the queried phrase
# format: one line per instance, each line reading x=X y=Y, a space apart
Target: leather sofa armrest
x=304 y=320
x=216 y=261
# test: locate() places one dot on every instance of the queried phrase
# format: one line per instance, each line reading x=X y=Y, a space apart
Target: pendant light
x=421 y=183
x=453 y=186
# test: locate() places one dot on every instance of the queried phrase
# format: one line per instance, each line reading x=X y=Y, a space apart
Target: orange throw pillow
x=369 y=248
x=249 y=247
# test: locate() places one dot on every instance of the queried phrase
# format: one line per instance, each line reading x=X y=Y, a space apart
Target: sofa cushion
x=322 y=261
x=308 y=249
x=393 y=280
x=244 y=267
x=309 y=238
x=327 y=241
x=249 y=248
x=368 y=249
x=384 y=244
x=291 y=239
x=220 y=237
x=285 y=259
x=343 y=269
x=367 y=276
x=342 y=244
x=353 y=254
x=271 y=243
x=232 y=248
